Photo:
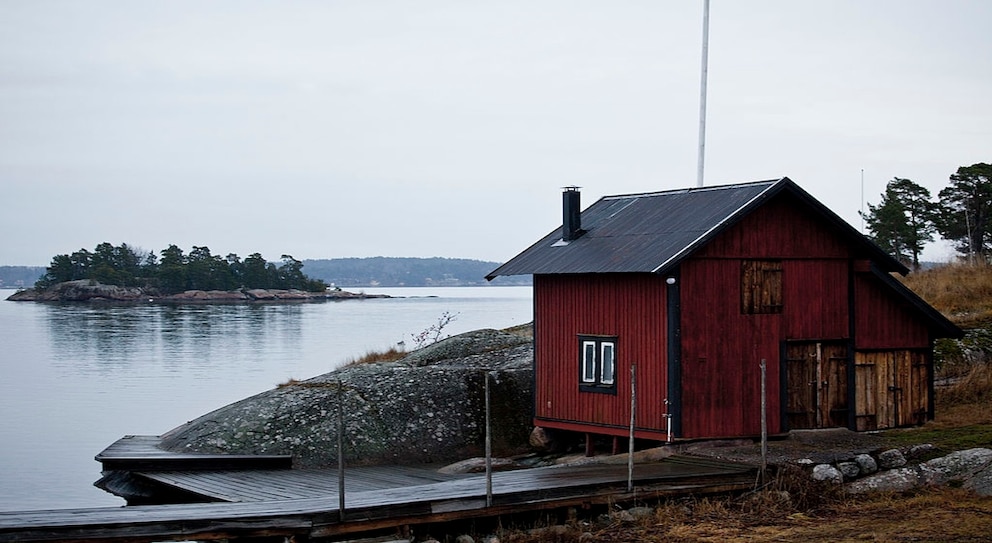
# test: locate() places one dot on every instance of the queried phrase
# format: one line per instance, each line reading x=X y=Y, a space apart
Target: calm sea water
x=74 y=378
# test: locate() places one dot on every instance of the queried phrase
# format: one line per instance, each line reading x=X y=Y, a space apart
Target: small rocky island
x=86 y=290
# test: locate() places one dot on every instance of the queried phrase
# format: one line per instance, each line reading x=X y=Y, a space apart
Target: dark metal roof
x=652 y=232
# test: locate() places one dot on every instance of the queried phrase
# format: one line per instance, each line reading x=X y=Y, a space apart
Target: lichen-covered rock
x=970 y=469
x=890 y=459
x=981 y=482
x=919 y=451
x=850 y=470
x=80 y=290
x=895 y=480
x=866 y=464
x=958 y=466
x=826 y=472
x=426 y=407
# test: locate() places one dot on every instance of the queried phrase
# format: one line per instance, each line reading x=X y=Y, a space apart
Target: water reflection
x=104 y=338
x=76 y=377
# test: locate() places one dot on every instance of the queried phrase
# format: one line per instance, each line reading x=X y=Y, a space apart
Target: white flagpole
x=702 y=94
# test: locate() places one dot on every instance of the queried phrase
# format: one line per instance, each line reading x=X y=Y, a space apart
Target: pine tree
x=903 y=221
x=966 y=211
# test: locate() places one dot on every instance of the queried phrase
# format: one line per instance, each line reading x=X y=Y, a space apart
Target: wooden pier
x=312 y=512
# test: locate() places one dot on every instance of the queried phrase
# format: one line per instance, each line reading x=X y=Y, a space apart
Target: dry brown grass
x=960 y=291
x=372 y=357
x=946 y=515
x=973 y=388
x=524 y=330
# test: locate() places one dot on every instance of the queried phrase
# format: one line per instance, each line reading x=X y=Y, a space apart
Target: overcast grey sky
x=446 y=128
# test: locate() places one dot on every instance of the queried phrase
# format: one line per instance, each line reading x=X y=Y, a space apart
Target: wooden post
x=489 y=448
x=340 y=455
x=633 y=416
x=764 y=421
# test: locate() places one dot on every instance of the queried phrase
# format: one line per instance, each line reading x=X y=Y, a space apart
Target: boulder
x=970 y=469
x=826 y=472
x=850 y=470
x=981 y=482
x=895 y=480
x=209 y=295
x=478 y=465
x=957 y=467
x=919 y=451
x=890 y=459
x=866 y=464
x=427 y=407
x=541 y=440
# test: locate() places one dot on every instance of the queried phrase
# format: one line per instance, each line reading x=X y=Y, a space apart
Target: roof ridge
x=688 y=190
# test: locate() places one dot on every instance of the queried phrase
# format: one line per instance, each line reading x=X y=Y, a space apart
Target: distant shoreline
x=91 y=292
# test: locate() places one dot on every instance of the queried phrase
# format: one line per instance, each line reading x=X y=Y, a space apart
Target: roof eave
x=937 y=319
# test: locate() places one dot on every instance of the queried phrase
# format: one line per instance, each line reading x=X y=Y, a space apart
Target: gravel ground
x=820 y=446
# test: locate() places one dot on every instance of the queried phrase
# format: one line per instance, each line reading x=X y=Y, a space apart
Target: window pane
x=589 y=362
x=609 y=363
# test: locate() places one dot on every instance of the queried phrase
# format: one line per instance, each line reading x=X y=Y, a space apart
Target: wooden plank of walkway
x=133 y=453
x=319 y=517
x=261 y=485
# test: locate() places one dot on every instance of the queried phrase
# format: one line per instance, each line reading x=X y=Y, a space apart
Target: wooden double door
x=890 y=388
x=816 y=384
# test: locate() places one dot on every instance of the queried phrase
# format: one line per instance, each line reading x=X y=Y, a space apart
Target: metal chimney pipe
x=571 y=226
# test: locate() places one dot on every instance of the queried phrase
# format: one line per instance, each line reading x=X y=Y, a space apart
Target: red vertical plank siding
x=722 y=348
x=816 y=299
x=721 y=354
x=630 y=307
x=781 y=228
x=884 y=322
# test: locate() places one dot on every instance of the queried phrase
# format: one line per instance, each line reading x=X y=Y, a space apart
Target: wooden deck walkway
x=314 y=517
x=135 y=453
x=263 y=485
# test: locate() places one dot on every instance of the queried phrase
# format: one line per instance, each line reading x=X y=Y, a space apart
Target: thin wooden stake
x=764 y=421
x=633 y=416
x=340 y=454
x=489 y=449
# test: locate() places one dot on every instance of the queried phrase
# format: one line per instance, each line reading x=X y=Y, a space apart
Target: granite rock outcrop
x=427 y=407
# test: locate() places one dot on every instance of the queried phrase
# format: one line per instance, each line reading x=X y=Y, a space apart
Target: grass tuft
x=372 y=357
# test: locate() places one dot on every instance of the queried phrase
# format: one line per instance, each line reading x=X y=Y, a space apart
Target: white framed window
x=588 y=361
x=607 y=366
x=598 y=363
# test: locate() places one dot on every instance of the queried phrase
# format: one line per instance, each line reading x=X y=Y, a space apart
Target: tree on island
x=177 y=272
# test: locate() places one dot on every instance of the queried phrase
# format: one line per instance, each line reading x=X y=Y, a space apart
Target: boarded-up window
x=761 y=286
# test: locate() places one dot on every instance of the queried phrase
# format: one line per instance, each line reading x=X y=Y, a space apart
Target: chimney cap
x=570 y=188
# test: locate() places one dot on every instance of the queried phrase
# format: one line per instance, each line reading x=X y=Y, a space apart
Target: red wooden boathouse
x=696 y=287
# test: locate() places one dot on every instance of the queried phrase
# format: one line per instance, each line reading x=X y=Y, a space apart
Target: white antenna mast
x=862 y=200
x=702 y=94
